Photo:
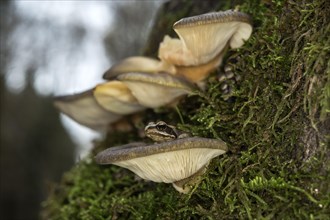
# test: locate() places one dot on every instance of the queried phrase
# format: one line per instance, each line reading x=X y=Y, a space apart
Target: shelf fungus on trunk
x=115 y=97
x=84 y=109
x=138 y=64
x=179 y=161
x=156 y=90
x=203 y=42
x=143 y=64
x=204 y=37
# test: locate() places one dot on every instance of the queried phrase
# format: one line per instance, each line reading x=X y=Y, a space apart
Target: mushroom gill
x=115 y=97
x=177 y=161
x=84 y=109
x=205 y=36
x=156 y=90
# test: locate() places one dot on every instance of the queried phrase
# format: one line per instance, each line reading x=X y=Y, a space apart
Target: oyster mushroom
x=84 y=109
x=205 y=36
x=177 y=162
x=156 y=90
x=194 y=74
x=115 y=97
x=138 y=64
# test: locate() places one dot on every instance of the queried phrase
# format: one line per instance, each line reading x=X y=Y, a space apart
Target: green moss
x=276 y=123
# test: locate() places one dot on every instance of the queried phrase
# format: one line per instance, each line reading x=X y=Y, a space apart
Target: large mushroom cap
x=84 y=109
x=203 y=37
x=167 y=162
x=138 y=64
x=156 y=90
x=115 y=97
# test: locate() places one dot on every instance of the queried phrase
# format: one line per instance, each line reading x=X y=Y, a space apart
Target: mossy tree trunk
x=276 y=123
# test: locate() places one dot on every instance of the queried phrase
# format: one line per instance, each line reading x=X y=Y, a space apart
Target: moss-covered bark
x=276 y=123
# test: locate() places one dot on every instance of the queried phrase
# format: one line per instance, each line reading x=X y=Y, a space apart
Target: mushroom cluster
x=137 y=83
x=179 y=160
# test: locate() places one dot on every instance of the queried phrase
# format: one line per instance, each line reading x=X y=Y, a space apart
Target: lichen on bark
x=276 y=124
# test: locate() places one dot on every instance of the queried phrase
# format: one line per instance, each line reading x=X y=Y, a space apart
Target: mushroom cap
x=115 y=97
x=167 y=162
x=156 y=90
x=84 y=109
x=202 y=37
x=138 y=64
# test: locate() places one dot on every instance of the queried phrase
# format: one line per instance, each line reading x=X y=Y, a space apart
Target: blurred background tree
x=35 y=149
x=129 y=33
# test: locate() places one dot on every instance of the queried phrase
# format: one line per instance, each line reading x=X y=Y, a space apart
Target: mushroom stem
x=198 y=73
x=185 y=185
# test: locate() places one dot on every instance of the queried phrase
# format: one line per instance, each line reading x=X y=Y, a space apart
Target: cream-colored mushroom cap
x=138 y=64
x=168 y=162
x=84 y=109
x=156 y=90
x=203 y=37
x=115 y=97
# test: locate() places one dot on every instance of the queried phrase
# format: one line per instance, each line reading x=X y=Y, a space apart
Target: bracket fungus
x=142 y=64
x=108 y=102
x=178 y=161
x=138 y=64
x=84 y=109
x=156 y=90
x=205 y=36
x=115 y=97
x=142 y=82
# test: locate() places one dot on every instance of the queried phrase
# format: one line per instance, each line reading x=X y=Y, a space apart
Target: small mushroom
x=138 y=64
x=156 y=90
x=115 y=97
x=84 y=109
x=179 y=161
x=205 y=36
